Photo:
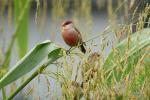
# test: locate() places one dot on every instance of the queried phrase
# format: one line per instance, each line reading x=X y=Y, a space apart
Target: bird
x=72 y=36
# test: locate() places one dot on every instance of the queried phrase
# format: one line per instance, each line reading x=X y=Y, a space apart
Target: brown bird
x=72 y=36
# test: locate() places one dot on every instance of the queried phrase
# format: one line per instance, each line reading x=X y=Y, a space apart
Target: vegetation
x=122 y=74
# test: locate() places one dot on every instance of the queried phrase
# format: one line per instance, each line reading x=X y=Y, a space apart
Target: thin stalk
x=27 y=81
x=8 y=52
x=38 y=71
x=4 y=94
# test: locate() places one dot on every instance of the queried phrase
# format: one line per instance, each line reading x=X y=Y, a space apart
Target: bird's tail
x=82 y=48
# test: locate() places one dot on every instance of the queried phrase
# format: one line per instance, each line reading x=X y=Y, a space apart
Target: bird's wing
x=79 y=34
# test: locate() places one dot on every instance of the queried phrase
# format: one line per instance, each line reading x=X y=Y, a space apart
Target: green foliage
x=31 y=60
x=125 y=56
x=52 y=56
x=7 y=59
x=138 y=41
x=123 y=75
x=22 y=33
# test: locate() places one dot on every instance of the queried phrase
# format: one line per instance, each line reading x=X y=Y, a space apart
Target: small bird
x=72 y=36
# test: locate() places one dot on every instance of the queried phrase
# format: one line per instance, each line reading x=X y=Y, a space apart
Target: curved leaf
x=28 y=62
x=52 y=56
x=139 y=41
x=126 y=55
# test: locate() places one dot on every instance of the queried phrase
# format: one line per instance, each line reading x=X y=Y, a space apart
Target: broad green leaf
x=22 y=33
x=29 y=61
x=137 y=43
x=127 y=53
x=52 y=56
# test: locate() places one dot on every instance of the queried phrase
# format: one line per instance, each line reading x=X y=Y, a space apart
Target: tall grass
x=123 y=74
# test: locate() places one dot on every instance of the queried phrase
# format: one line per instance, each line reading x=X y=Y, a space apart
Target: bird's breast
x=70 y=37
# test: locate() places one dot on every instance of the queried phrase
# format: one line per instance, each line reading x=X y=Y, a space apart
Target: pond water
x=100 y=22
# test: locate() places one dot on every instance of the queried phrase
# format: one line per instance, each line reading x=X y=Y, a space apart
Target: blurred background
x=24 y=23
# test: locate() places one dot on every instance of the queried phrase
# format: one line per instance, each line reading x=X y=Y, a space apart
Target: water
x=100 y=22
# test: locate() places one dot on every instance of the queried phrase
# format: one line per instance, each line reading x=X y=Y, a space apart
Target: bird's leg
x=68 y=51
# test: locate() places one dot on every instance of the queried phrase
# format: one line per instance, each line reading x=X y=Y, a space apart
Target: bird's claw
x=67 y=52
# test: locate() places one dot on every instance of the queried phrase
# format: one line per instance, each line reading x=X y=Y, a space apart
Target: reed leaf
x=31 y=60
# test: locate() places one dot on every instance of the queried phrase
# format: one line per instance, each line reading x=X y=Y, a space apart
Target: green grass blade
x=22 y=33
x=6 y=61
x=28 y=62
x=4 y=94
x=124 y=58
x=138 y=42
x=52 y=56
